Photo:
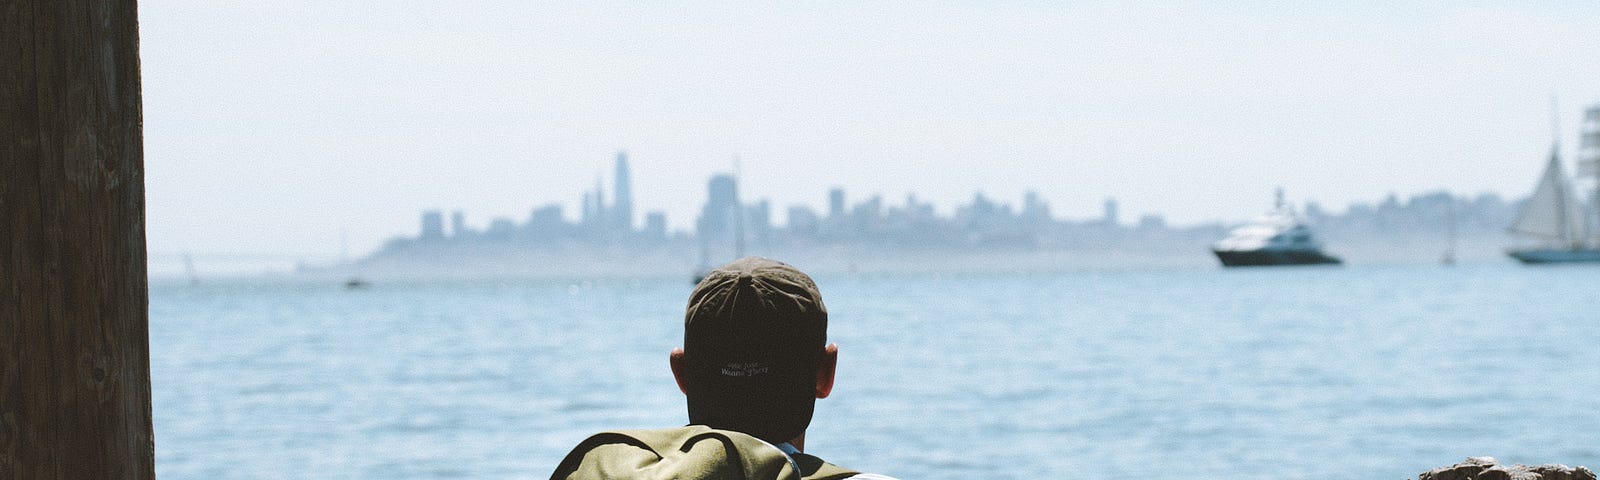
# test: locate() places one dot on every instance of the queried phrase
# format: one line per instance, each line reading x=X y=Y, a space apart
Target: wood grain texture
x=74 y=341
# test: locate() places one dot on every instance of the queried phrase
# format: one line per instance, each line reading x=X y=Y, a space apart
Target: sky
x=300 y=129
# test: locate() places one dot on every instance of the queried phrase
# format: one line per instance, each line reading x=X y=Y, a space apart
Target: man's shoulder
x=812 y=467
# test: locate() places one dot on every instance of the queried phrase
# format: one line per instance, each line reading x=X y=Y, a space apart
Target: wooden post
x=74 y=341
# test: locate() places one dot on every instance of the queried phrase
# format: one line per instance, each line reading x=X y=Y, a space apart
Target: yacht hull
x=1541 y=256
x=1267 y=258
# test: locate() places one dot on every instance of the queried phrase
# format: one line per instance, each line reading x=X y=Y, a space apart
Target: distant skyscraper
x=722 y=203
x=1111 y=212
x=836 y=204
x=458 y=223
x=587 y=216
x=803 y=219
x=595 y=217
x=760 y=219
x=432 y=225
x=655 y=225
x=600 y=217
x=547 y=220
x=1152 y=221
x=1034 y=209
x=622 y=207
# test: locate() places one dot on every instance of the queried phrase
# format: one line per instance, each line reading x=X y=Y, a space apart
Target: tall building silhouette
x=458 y=223
x=719 y=226
x=594 y=208
x=432 y=225
x=587 y=215
x=622 y=207
x=599 y=201
x=722 y=203
x=655 y=225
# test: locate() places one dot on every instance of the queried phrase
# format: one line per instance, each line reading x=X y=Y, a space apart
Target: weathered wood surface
x=74 y=342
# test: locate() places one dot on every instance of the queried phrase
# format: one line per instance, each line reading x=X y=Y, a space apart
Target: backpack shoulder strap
x=813 y=468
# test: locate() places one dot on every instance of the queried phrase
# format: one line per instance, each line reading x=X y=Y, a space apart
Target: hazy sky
x=272 y=127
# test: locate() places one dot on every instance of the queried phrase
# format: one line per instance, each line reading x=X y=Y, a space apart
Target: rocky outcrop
x=1486 y=468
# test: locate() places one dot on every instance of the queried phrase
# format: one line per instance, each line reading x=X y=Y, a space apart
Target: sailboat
x=1553 y=216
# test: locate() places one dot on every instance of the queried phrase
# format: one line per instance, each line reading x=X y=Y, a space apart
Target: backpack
x=692 y=452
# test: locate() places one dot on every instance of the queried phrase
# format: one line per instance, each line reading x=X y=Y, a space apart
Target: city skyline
x=721 y=191
x=872 y=235
x=840 y=217
x=294 y=127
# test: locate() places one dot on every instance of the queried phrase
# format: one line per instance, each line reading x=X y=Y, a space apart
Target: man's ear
x=676 y=359
x=826 y=368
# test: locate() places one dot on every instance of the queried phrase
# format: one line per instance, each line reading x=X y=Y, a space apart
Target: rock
x=1560 y=472
x=1486 y=468
x=1467 y=470
x=1497 y=473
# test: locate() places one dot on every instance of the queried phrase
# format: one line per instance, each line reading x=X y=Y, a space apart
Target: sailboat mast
x=1561 y=200
x=738 y=213
x=1450 y=228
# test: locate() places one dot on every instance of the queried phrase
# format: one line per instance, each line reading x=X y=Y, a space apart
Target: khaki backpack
x=692 y=452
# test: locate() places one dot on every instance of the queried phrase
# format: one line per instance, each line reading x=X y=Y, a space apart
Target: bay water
x=1371 y=372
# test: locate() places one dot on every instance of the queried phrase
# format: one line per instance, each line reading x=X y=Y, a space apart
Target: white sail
x=1551 y=212
x=1589 y=147
x=1589 y=168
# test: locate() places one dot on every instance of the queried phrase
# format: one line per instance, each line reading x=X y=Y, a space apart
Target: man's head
x=755 y=356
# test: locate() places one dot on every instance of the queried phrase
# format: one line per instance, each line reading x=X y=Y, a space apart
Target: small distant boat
x=1278 y=237
x=188 y=269
x=355 y=283
x=1553 y=216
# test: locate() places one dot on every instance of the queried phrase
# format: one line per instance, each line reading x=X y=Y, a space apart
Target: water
x=1355 y=372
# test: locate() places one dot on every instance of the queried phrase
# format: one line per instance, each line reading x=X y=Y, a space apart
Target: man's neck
x=799 y=442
